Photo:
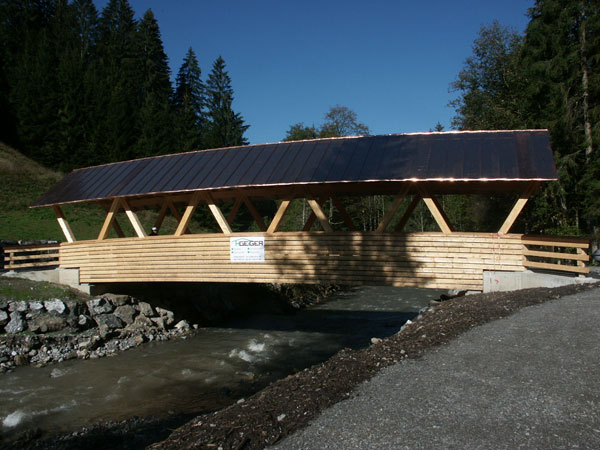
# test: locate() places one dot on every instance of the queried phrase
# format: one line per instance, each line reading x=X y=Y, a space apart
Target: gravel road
x=531 y=380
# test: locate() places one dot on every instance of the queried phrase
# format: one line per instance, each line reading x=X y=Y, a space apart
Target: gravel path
x=527 y=381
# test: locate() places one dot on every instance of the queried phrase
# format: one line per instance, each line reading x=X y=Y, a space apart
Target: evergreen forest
x=80 y=87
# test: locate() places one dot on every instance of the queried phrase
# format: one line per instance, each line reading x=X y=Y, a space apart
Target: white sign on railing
x=247 y=249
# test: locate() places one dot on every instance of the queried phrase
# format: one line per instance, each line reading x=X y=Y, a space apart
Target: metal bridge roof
x=483 y=156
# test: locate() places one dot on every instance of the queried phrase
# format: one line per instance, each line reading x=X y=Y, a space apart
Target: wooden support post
x=134 y=219
x=387 y=217
x=64 y=225
x=110 y=218
x=187 y=215
x=276 y=222
x=345 y=217
x=314 y=205
x=415 y=201
x=234 y=209
x=218 y=214
x=161 y=215
x=580 y=263
x=312 y=217
x=519 y=205
x=436 y=211
x=255 y=215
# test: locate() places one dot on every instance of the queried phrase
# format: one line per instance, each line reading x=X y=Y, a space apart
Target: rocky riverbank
x=44 y=332
x=42 y=323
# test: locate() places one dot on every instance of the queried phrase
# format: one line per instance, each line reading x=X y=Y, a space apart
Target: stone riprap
x=44 y=332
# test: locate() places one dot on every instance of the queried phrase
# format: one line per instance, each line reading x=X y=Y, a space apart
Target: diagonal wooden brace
x=64 y=225
x=218 y=214
x=388 y=216
x=189 y=212
x=340 y=207
x=436 y=211
x=519 y=205
x=276 y=222
x=133 y=218
x=110 y=219
x=314 y=205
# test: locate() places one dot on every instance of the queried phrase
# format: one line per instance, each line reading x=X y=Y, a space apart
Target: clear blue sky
x=389 y=61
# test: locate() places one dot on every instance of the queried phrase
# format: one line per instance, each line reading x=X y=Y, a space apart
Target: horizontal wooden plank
x=384 y=271
x=30 y=248
x=31 y=257
x=269 y=279
x=32 y=264
x=556 y=242
x=559 y=267
x=557 y=255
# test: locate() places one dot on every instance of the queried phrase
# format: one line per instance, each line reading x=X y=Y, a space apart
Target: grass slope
x=24 y=181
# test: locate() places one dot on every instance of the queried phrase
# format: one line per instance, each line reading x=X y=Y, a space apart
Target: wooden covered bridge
x=410 y=167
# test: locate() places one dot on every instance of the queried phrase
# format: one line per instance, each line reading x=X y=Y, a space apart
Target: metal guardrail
x=31 y=256
x=565 y=254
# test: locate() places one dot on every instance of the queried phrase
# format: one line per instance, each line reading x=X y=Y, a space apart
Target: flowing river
x=204 y=372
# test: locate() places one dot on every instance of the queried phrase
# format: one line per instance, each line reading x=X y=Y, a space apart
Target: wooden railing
x=564 y=254
x=31 y=256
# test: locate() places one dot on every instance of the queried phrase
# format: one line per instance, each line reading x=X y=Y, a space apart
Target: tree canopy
x=339 y=121
x=547 y=78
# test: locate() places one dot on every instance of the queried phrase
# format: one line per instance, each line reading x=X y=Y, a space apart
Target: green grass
x=18 y=289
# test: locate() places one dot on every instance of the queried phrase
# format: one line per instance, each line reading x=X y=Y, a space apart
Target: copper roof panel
x=344 y=160
x=269 y=162
x=198 y=168
x=182 y=164
x=504 y=156
x=240 y=174
x=361 y=154
x=235 y=161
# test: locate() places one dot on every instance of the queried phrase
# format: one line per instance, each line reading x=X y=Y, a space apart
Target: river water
x=204 y=372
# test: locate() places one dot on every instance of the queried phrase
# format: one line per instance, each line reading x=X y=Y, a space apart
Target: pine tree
x=189 y=103
x=154 y=118
x=75 y=34
x=225 y=128
x=115 y=84
x=560 y=58
x=32 y=79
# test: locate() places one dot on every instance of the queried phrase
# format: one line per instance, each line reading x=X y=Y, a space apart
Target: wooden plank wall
x=433 y=260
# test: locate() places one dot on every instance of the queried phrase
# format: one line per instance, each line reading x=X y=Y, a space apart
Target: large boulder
x=47 y=323
x=109 y=320
x=145 y=309
x=126 y=313
x=3 y=318
x=55 y=305
x=117 y=299
x=36 y=305
x=16 y=324
x=100 y=306
x=20 y=306
x=76 y=307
